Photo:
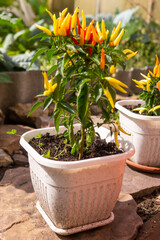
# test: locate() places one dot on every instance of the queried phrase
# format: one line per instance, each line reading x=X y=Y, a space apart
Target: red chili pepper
x=90 y=50
x=74 y=40
x=79 y=25
x=91 y=38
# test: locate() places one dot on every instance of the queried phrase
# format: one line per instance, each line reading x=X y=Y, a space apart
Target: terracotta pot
x=75 y=196
x=145 y=133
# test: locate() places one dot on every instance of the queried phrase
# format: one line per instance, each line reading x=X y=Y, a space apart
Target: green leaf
x=52 y=52
x=71 y=47
x=38 y=53
x=61 y=66
x=90 y=136
x=75 y=149
x=57 y=120
x=35 y=106
x=82 y=81
x=98 y=92
x=96 y=60
x=47 y=102
x=13 y=131
x=82 y=101
x=39 y=35
x=66 y=106
x=54 y=113
x=52 y=69
x=47 y=155
x=39 y=135
x=71 y=134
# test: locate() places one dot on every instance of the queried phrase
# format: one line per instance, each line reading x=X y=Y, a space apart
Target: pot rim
x=129 y=151
x=120 y=106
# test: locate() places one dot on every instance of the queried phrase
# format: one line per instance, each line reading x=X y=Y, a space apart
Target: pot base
x=142 y=168
x=73 y=230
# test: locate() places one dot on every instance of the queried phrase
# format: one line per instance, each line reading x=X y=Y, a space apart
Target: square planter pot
x=75 y=196
x=23 y=88
x=145 y=133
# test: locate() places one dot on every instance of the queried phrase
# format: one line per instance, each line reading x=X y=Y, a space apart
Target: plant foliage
x=85 y=59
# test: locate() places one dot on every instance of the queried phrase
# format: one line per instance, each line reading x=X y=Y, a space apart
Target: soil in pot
x=131 y=107
x=61 y=150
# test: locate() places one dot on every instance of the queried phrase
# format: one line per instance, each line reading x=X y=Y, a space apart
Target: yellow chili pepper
x=115 y=32
x=116 y=138
x=62 y=15
x=152 y=74
x=46 y=83
x=64 y=12
x=74 y=18
x=139 y=84
x=50 y=14
x=109 y=97
x=113 y=80
x=140 y=110
x=47 y=31
x=112 y=69
x=55 y=26
x=103 y=29
x=99 y=31
x=154 y=108
x=83 y=20
x=131 y=55
x=51 y=89
x=147 y=78
x=118 y=87
x=102 y=66
x=117 y=40
x=64 y=25
x=148 y=86
x=120 y=128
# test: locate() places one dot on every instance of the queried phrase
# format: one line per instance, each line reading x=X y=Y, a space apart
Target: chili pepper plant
x=150 y=93
x=86 y=58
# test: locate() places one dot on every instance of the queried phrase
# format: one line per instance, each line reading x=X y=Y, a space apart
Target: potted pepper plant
x=141 y=119
x=78 y=193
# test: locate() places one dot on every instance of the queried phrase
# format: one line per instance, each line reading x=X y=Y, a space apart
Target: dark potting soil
x=62 y=152
x=131 y=107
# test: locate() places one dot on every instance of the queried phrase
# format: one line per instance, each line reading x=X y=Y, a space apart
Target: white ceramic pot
x=75 y=196
x=145 y=133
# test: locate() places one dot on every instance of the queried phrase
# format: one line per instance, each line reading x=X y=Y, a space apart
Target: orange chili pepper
x=82 y=36
x=88 y=31
x=102 y=59
x=158 y=85
x=95 y=36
